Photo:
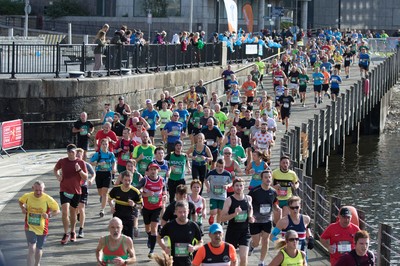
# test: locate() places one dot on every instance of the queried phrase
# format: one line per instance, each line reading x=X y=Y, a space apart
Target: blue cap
x=216 y=228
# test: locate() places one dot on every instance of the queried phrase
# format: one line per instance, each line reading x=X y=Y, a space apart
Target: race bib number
x=84 y=132
x=218 y=190
x=164 y=120
x=283 y=191
x=285 y=105
x=125 y=156
x=153 y=199
x=199 y=158
x=247 y=132
x=176 y=133
x=34 y=219
x=150 y=121
x=249 y=88
x=105 y=166
x=181 y=249
x=235 y=99
x=162 y=173
x=256 y=177
x=181 y=119
x=68 y=195
x=177 y=170
x=142 y=166
x=343 y=246
x=265 y=209
x=241 y=217
x=210 y=142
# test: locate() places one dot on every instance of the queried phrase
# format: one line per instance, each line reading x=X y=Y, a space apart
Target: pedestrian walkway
x=19 y=171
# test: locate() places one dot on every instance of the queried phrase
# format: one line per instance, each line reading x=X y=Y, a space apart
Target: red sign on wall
x=12 y=134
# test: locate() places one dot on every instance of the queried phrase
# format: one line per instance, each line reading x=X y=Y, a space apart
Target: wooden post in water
x=384 y=244
x=328 y=130
x=297 y=146
x=339 y=114
x=316 y=141
x=335 y=204
x=348 y=113
x=333 y=126
x=309 y=168
x=322 y=147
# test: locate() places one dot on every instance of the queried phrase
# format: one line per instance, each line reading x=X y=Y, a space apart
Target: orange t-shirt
x=249 y=88
x=201 y=253
x=326 y=77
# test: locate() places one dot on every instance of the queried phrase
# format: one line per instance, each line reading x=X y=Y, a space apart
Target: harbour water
x=367 y=176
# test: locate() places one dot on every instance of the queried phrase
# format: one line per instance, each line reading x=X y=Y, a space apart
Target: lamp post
x=191 y=17
x=339 y=13
x=270 y=17
x=217 y=20
x=149 y=20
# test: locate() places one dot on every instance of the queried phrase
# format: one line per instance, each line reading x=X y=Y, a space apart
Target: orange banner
x=248 y=16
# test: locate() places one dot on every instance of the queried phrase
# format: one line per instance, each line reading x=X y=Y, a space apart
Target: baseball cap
x=121 y=98
x=178 y=142
x=71 y=147
x=148 y=101
x=345 y=212
x=216 y=227
x=153 y=165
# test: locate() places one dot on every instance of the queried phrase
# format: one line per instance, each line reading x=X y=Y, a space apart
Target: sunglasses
x=176 y=115
x=293 y=239
x=227 y=153
x=294 y=207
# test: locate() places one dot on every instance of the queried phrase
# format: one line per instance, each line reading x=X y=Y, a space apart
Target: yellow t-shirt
x=283 y=179
x=35 y=208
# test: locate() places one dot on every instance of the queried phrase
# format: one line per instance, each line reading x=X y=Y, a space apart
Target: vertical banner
x=12 y=134
x=232 y=15
x=248 y=16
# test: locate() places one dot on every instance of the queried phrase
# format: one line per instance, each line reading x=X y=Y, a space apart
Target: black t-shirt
x=211 y=137
x=122 y=209
x=118 y=128
x=159 y=104
x=246 y=124
x=180 y=236
x=286 y=102
x=285 y=67
x=203 y=121
x=201 y=91
x=262 y=201
x=169 y=213
x=347 y=56
x=294 y=76
x=87 y=126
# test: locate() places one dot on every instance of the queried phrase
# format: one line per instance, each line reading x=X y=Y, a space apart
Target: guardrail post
x=334 y=203
x=384 y=244
x=13 y=61
x=58 y=57
x=316 y=159
x=309 y=168
x=83 y=56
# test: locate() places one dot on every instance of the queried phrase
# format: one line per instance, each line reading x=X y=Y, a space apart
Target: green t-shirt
x=261 y=66
x=195 y=120
x=303 y=79
x=148 y=153
x=222 y=118
x=237 y=152
x=165 y=117
x=177 y=165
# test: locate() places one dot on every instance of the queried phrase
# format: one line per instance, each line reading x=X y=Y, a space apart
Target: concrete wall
x=64 y=99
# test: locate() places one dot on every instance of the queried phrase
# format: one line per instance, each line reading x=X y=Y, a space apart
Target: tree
x=12 y=8
x=62 y=8
x=158 y=7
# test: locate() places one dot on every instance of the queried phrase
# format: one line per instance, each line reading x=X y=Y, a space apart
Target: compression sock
x=153 y=240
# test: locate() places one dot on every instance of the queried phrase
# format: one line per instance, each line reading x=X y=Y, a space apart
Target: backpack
x=370 y=257
x=99 y=156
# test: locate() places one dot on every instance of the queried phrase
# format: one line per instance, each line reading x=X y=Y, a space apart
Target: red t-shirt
x=126 y=153
x=71 y=179
x=342 y=238
x=101 y=135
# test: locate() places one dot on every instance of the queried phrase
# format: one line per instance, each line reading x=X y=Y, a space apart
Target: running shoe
x=150 y=255
x=211 y=220
x=73 y=237
x=136 y=232
x=251 y=249
x=65 y=239
x=81 y=234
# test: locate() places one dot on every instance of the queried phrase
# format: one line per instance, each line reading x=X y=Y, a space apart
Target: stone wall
x=35 y=100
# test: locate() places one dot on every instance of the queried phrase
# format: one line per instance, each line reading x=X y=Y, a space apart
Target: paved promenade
x=19 y=171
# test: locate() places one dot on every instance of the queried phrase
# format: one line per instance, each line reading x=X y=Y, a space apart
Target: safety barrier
x=309 y=145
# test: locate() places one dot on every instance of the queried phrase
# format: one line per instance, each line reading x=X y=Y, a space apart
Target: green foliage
x=158 y=7
x=62 y=8
x=286 y=25
x=12 y=8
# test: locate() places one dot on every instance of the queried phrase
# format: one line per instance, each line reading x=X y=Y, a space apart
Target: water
x=367 y=176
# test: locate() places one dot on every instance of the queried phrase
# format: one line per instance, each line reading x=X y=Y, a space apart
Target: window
x=159 y=8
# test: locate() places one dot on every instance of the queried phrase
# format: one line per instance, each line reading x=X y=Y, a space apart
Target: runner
x=213 y=137
x=217 y=252
x=124 y=201
x=198 y=201
x=285 y=102
x=178 y=162
x=105 y=164
x=180 y=237
x=256 y=164
x=303 y=79
x=263 y=140
x=249 y=88
x=173 y=130
x=85 y=193
x=325 y=84
x=285 y=183
x=69 y=172
x=165 y=117
x=124 y=149
x=115 y=248
x=152 y=117
x=153 y=193
x=238 y=211
x=288 y=253
x=200 y=155
x=123 y=109
x=318 y=79
x=144 y=153
x=180 y=195
x=264 y=201
x=38 y=207
x=338 y=237
x=261 y=68
x=294 y=81
x=84 y=128
x=231 y=165
x=335 y=80
x=217 y=182
x=364 y=61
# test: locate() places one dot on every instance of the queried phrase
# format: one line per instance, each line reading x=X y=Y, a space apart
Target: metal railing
x=309 y=145
x=61 y=58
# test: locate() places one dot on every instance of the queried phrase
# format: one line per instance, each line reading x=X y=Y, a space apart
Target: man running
x=37 y=207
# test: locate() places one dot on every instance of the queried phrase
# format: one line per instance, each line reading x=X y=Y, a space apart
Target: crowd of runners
x=142 y=160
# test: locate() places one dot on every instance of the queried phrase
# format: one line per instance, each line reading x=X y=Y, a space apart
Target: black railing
x=62 y=58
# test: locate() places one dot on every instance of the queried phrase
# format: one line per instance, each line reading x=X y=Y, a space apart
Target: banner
x=12 y=134
x=248 y=16
x=232 y=15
